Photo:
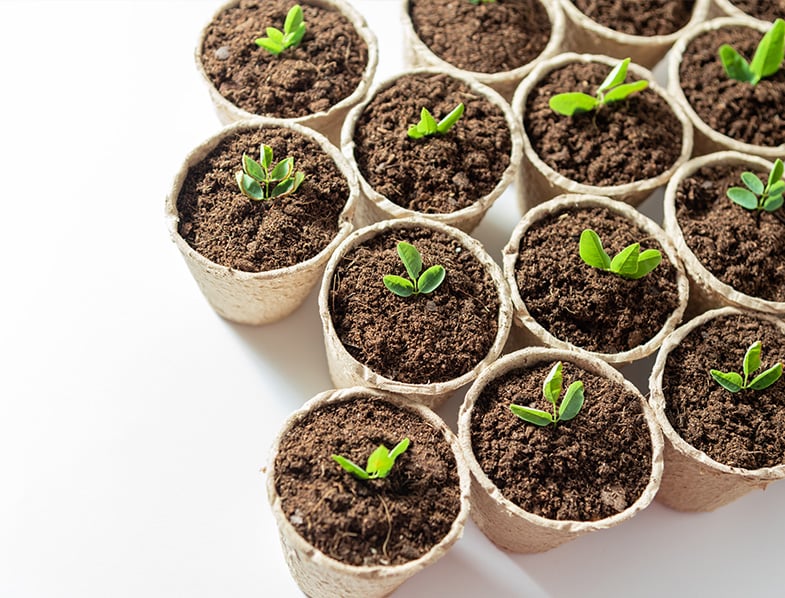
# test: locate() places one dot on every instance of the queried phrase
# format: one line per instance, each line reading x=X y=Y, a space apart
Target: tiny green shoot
x=293 y=31
x=630 y=262
x=551 y=389
x=767 y=59
x=263 y=181
x=611 y=90
x=380 y=462
x=478 y=2
x=428 y=125
x=758 y=196
x=734 y=382
x=417 y=283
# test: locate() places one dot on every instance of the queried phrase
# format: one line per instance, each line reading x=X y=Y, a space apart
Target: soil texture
x=228 y=228
x=749 y=113
x=626 y=141
x=367 y=522
x=325 y=68
x=483 y=38
x=441 y=173
x=592 y=309
x=742 y=248
x=423 y=338
x=765 y=10
x=744 y=429
x=588 y=468
x=638 y=17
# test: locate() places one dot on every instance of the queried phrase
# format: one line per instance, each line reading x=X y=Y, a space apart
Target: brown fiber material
x=504 y=522
x=321 y=576
x=693 y=481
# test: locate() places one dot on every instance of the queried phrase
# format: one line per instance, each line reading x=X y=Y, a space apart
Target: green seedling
x=293 y=31
x=630 y=262
x=766 y=61
x=734 y=382
x=417 y=283
x=380 y=462
x=570 y=405
x=758 y=196
x=478 y=2
x=428 y=125
x=258 y=181
x=613 y=89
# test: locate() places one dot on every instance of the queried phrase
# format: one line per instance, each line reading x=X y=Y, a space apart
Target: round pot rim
x=731 y=10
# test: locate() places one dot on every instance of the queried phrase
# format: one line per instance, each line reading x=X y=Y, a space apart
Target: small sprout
x=260 y=182
x=428 y=125
x=417 y=283
x=380 y=462
x=766 y=61
x=570 y=406
x=758 y=196
x=630 y=262
x=477 y=2
x=734 y=382
x=612 y=89
x=293 y=31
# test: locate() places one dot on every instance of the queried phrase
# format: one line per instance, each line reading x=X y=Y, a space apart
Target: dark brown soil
x=440 y=173
x=325 y=68
x=744 y=429
x=487 y=38
x=226 y=227
x=638 y=17
x=582 y=305
x=588 y=468
x=753 y=114
x=623 y=142
x=765 y=10
x=422 y=338
x=367 y=522
x=743 y=249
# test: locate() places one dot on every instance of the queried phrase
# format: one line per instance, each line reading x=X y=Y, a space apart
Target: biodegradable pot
x=587 y=35
x=709 y=140
x=320 y=575
x=329 y=121
x=267 y=296
x=509 y=525
x=375 y=206
x=346 y=371
x=706 y=290
x=528 y=331
x=536 y=181
x=693 y=481
x=418 y=54
x=726 y=8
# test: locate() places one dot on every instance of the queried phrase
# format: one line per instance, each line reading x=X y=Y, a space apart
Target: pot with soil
x=728 y=114
x=644 y=31
x=762 y=10
x=563 y=301
x=452 y=177
x=720 y=443
x=538 y=485
x=622 y=149
x=733 y=255
x=313 y=83
x=352 y=537
x=497 y=43
x=256 y=260
x=428 y=344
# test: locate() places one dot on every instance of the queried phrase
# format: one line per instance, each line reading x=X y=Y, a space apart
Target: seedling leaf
x=769 y=53
x=758 y=196
x=753 y=183
x=746 y=199
x=275 y=35
x=282 y=170
x=751 y=359
x=411 y=259
x=398 y=285
x=729 y=381
x=733 y=382
x=431 y=279
x=293 y=31
x=572 y=402
x=647 y=261
x=417 y=283
x=271 y=46
x=533 y=416
x=616 y=76
x=591 y=250
x=267 y=156
x=294 y=18
x=448 y=121
x=623 y=91
x=282 y=188
x=551 y=387
x=767 y=378
x=775 y=176
x=773 y=203
x=569 y=104
x=379 y=464
x=428 y=125
x=351 y=467
x=625 y=262
x=253 y=169
x=399 y=448
x=249 y=186
x=258 y=183
x=734 y=64
x=376 y=461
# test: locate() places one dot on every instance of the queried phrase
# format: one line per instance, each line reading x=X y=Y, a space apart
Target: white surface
x=134 y=421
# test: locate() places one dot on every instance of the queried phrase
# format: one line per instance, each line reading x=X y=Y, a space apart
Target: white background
x=134 y=421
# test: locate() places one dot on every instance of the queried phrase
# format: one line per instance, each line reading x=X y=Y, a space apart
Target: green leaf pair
x=551 y=389
x=630 y=262
x=293 y=31
x=426 y=282
x=428 y=125
x=380 y=462
x=766 y=61
x=258 y=181
x=612 y=89
x=734 y=382
x=758 y=196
